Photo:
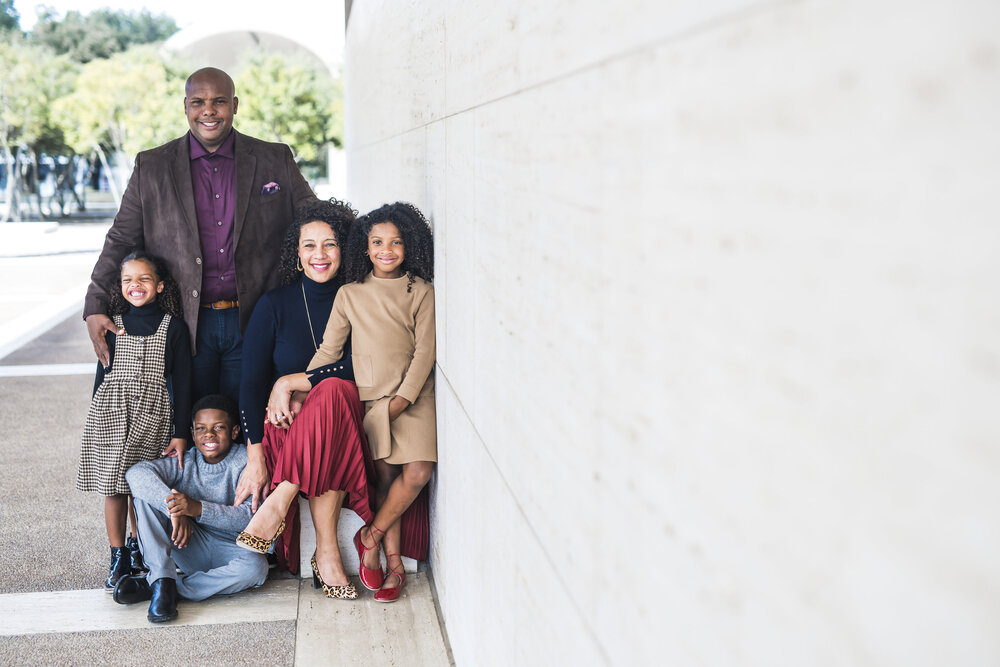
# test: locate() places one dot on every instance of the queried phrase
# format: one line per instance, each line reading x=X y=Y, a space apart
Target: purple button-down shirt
x=213 y=178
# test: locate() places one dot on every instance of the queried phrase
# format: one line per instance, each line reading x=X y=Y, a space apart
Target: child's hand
x=396 y=406
x=181 y=532
x=295 y=404
x=176 y=450
x=179 y=504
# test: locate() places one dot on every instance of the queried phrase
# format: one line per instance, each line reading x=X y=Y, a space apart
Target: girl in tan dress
x=386 y=307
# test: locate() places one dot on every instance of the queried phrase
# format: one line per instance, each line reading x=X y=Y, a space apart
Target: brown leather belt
x=221 y=305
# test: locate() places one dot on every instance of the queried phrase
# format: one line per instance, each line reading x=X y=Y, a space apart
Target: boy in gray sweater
x=187 y=520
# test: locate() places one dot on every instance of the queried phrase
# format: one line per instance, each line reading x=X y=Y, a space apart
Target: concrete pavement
x=53 y=547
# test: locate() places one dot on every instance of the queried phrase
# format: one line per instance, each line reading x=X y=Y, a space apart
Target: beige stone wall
x=718 y=331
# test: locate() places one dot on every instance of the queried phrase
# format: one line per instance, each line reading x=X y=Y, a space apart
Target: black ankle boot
x=163 y=605
x=120 y=567
x=132 y=589
x=135 y=557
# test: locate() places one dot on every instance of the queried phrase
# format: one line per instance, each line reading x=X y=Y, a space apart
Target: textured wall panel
x=718 y=352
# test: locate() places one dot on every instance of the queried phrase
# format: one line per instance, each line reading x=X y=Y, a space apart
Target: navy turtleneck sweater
x=277 y=342
x=143 y=321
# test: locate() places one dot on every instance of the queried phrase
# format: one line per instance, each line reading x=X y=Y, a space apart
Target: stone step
x=346 y=528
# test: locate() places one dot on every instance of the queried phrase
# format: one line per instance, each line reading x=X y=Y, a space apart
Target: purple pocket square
x=270 y=188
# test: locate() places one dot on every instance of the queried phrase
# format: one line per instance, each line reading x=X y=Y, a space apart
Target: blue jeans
x=216 y=367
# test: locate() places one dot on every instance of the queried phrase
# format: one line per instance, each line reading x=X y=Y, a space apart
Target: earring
x=298 y=263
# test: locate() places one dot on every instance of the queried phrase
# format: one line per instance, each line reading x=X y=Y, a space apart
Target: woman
x=323 y=453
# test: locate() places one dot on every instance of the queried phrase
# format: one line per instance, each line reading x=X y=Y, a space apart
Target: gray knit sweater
x=213 y=484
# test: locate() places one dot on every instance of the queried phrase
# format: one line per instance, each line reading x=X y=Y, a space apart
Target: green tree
x=100 y=34
x=123 y=104
x=290 y=102
x=31 y=79
x=10 y=20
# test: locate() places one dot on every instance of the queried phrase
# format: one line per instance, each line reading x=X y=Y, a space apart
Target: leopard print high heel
x=348 y=592
x=259 y=544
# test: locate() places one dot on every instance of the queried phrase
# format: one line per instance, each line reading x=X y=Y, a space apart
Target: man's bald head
x=213 y=74
x=210 y=103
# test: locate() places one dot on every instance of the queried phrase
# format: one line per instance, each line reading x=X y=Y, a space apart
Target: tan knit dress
x=393 y=348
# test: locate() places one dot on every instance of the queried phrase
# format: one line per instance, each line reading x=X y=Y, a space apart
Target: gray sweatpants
x=210 y=565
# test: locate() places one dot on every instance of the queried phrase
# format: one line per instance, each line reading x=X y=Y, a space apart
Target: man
x=186 y=519
x=214 y=204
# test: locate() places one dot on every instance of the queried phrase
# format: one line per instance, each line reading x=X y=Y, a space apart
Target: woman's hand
x=254 y=480
x=279 y=408
x=396 y=406
x=176 y=450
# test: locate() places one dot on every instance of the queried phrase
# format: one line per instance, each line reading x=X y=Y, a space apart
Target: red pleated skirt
x=325 y=450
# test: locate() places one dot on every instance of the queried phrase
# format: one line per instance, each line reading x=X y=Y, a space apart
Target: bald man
x=214 y=204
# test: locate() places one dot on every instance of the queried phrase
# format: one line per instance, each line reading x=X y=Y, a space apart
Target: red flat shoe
x=392 y=594
x=370 y=579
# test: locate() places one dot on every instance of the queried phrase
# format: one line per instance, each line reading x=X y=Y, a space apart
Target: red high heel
x=370 y=579
x=392 y=594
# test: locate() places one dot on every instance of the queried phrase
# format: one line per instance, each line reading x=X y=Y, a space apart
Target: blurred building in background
x=314 y=37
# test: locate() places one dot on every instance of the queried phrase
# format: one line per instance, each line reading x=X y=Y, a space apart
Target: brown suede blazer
x=157 y=214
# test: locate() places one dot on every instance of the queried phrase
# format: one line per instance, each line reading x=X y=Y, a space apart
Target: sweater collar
x=326 y=290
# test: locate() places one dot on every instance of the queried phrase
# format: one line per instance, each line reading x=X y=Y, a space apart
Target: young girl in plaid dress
x=131 y=418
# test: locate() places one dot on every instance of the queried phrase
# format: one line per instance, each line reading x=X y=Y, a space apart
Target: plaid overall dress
x=130 y=418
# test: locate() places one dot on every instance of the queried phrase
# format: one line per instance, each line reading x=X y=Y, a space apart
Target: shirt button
x=215 y=169
x=222 y=277
x=217 y=196
x=194 y=293
x=197 y=260
x=221 y=250
x=219 y=223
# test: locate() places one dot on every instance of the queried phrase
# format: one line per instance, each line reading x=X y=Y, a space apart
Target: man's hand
x=254 y=480
x=97 y=326
x=179 y=504
x=176 y=450
x=396 y=406
x=181 y=532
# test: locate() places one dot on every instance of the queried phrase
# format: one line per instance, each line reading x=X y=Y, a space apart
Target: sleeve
x=338 y=328
x=258 y=368
x=124 y=236
x=151 y=481
x=178 y=369
x=225 y=517
x=101 y=371
x=343 y=369
x=424 y=353
x=301 y=192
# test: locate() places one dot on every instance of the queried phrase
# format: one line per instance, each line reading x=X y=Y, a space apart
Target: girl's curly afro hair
x=418 y=243
x=338 y=214
x=169 y=300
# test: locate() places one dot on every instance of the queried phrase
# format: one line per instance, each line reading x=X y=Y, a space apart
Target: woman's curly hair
x=418 y=243
x=338 y=214
x=169 y=300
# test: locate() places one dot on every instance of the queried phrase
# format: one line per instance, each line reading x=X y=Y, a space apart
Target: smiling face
x=210 y=103
x=319 y=251
x=213 y=434
x=140 y=284
x=385 y=250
